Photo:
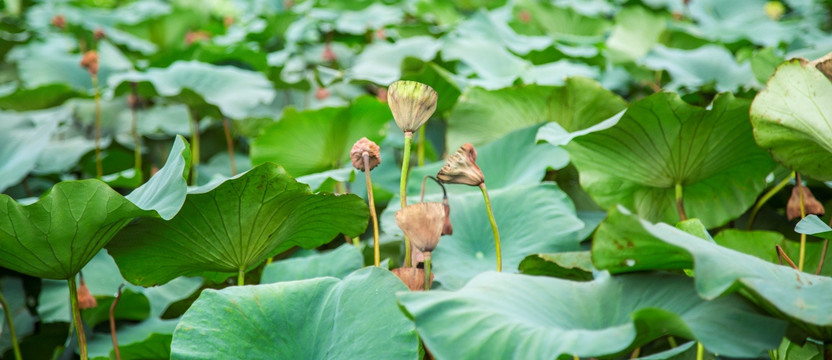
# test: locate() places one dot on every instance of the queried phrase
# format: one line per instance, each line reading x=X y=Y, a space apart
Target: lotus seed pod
x=412 y=104
x=461 y=167
x=413 y=277
x=357 y=154
x=422 y=223
x=812 y=205
x=85 y=298
x=90 y=62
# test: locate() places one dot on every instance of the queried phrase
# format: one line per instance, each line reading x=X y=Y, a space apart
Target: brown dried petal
x=824 y=64
x=461 y=167
x=413 y=277
x=422 y=223
x=90 y=62
x=412 y=103
x=357 y=154
x=447 y=228
x=85 y=298
x=812 y=205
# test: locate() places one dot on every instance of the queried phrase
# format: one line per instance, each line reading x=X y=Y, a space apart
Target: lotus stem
x=8 y=313
x=134 y=130
x=441 y=185
x=822 y=257
x=113 y=322
x=420 y=147
x=493 y=226
x=700 y=351
x=241 y=276
x=99 y=168
x=76 y=317
x=408 y=139
x=680 y=204
x=230 y=143
x=802 y=256
x=194 y=146
x=427 y=270
x=671 y=341
x=372 y=203
x=781 y=254
x=766 y=197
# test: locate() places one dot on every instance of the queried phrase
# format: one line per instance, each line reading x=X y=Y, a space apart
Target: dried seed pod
x=461 y=167
x=59 y=21
x=812 y=205
x=90 y=62
x=447 y=228
x=412 y=104
x=357 y=154
x=85 y=298
x=413 y=277
x=422 y=223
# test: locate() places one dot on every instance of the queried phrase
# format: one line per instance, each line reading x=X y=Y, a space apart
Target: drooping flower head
x=422 y=223
x=810 y=204
x=357 y=154
x=412 y=103
x=461 y=167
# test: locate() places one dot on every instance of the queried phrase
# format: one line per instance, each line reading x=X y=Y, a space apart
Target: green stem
x=680 y=204
x=420 y=147
x=372 y=204
x=134 y=130
x=194 y=146
x=8 y=312
x=76 y=317
x=99 y=168
x=766 y=197
x=230 y=144
x=241 y=276
x=802 y=256
x=700 y=351
x=408 y=139
x=671 y=341
x=427 y=270
x=493 y=226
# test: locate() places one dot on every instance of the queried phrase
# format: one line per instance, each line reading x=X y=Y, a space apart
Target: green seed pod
x=412 y=103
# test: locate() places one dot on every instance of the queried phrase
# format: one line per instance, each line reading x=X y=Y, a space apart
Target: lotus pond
x=415 y=179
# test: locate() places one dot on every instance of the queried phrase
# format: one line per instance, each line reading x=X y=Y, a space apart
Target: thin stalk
x=99 y=168
x=822 y=257
x=700 y=351
x=341 y=189
x=427 y=270
x=8 y=313
x=113 y=322
x=241 y=277
x=766 y=197
x=635 y=353
x=680 y=204
x=372 y=203
x=137 y=139
x=230 y=143
x=802 y=256
x=194 y=146
x=493 y=226
x=781 y=254
x=420 y=147
x=76 y=317
x=575 y=357
x=671 y=341
x=424 y=180
x=408 y=139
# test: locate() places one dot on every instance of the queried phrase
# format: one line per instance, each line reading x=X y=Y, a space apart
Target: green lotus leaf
x=535 y=218
x=706 y=65
x=762 y=245
x=232 y=91
x=482 y=116
x=56 y=236
x=626 y=243
x=41 y=97
x=635 y=32
x=662 y=143
x=571 y=265
x=23 y=136
x=542 y=318
x=792 y=119
x=313 y=141
x=233 y=226
x=380 y=62
x=321 y=318
x=336 y=263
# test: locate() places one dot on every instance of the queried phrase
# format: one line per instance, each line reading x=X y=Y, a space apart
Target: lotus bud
x=422 y=223
x=447 y=228
x=461 y=167
x=85 y=298
x=412 y=104
x=362 y=146
x=321 y=93
x=812 y=205
x=413 y=277
x=90 y=62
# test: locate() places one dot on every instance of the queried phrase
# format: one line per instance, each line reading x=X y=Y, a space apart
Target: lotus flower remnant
x=413 y=277
x=365 y=156
x=811 y=205
x=423 y=224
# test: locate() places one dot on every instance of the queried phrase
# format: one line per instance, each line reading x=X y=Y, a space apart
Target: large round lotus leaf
x=232 y=90
x=313 y=141
x=511 y=316
x=234 y=226
x=626 y=243
x=483 y=115
x=792 y=119
x=321 y=318
x=661 y=142
x=532 y=219
x=336 y=263
x=23 y=136
x=56 y=236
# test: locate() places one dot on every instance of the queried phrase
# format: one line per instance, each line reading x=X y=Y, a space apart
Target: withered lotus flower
x=413 y=277
x=85 y=298
x=461 y=167
x=447 y=228
x=412 y=103
x=811 y=205
x=357 y=154
x=422 y=223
